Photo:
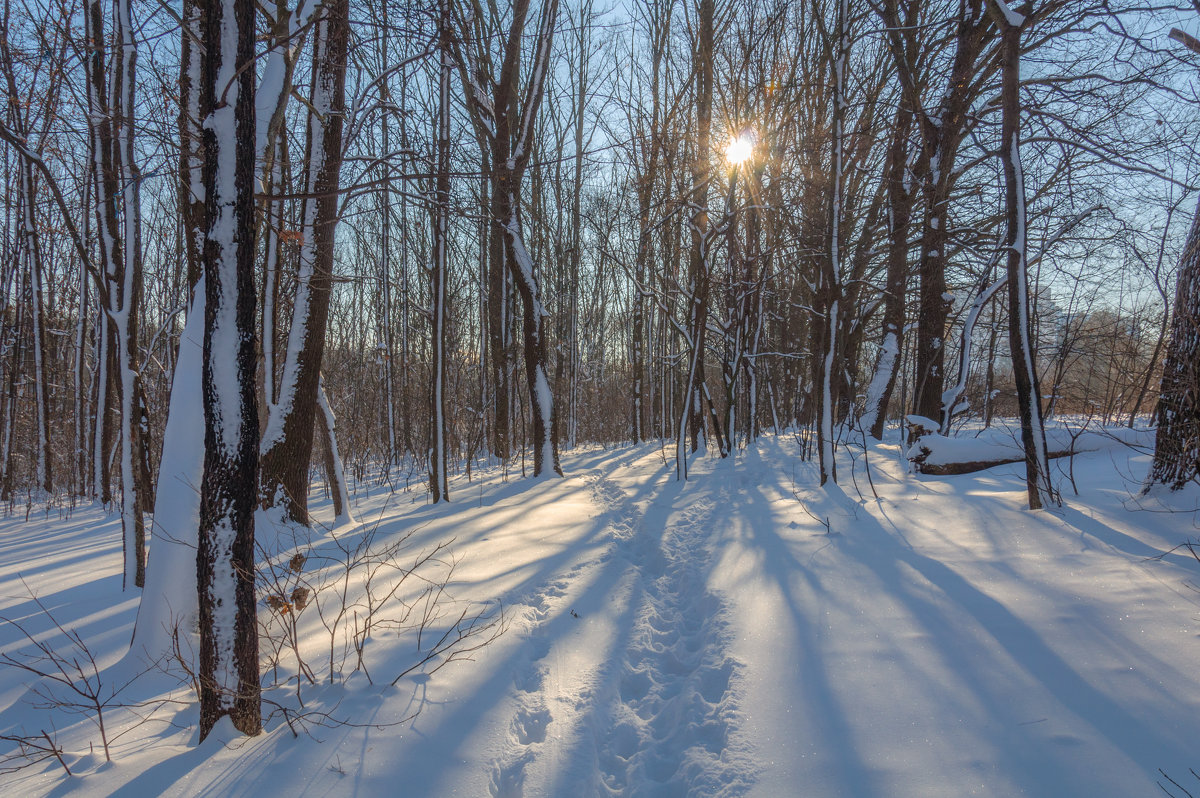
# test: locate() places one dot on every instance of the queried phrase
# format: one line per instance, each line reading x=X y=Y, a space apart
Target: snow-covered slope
x=745 y=633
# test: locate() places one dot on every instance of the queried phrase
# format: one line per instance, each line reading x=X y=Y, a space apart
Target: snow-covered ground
x=745 y=633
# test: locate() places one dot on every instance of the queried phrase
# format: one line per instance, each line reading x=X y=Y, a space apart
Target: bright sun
x=740 y=149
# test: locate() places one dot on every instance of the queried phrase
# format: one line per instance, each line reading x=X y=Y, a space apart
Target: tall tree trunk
x=691 y=422
x=110 y=106
x=31 y=250
x=134 y=486
x=170 y=597
x=1177 y=414
x=900 y=200
x=830 y=290
x=638 y=301
x=942 y=133
x=229 y=680
x=288 y=441
x=438 y=482
x=503 y=116
x=498 y=324
x=1033 y=435
x=387 y=334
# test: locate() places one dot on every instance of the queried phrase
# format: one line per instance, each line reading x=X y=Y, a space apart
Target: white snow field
x=742 y=634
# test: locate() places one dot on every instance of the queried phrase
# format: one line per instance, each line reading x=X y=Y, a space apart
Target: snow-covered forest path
x=648 y=709
x=744 y=633
x=748 y=633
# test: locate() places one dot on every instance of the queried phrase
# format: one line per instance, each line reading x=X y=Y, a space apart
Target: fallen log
x=971 y=466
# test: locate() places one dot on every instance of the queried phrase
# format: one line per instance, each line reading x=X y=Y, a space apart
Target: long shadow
x=1027 y=760
x=499 y=683
x=35 y=551
x=659 y=493
x=414 y=757
x=831 y=726
x=610 y=460
x=1146 y=744
x=1090 y=527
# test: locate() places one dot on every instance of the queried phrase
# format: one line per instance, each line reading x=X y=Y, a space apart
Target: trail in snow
x=675 y=710
x=645 y=705
x=527 y=731
x=712 y=638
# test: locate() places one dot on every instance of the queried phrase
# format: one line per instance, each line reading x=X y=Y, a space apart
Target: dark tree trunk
x=503 y=116
x=698 y=272
x=638 y=359
x=1177 y=439
x=941 y=135
x=288 y=442
x=229 y=680
x=498 y=324
x=1033 y=435
x=438 y=483
x=900 y=202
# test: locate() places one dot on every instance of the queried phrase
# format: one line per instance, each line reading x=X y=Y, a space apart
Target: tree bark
x=288 y=441
x=1033 y=434
x=229 y=683
x=438 y=483
x=1177 y=414
x=900 y=202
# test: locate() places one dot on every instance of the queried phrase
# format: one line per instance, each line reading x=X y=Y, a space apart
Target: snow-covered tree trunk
x=79 y=462
x=334 y=470
x=503 y=115
x=111 y=96
x=831 y=286
x=229 y=683
x=288 y=440
x=134 y=489
x=274 y=90
x=942 y=132
x=170 y=596
x=1177 y=414
x=952 y=397
x=900 y=201
x=1033 y=434
x=103 y=182
x=544 y=437
x=438 y=482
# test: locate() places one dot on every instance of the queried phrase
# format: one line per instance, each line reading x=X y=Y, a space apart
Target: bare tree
x=438 y=482
x=1033 y=434
x=228 y=675
x=288 y=440
x=1177 y=439
x=503 y=110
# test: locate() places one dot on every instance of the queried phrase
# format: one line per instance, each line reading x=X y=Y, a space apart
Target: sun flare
x=740 y=149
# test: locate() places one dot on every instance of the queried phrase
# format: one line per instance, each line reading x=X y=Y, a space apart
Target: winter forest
x=585 y=398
